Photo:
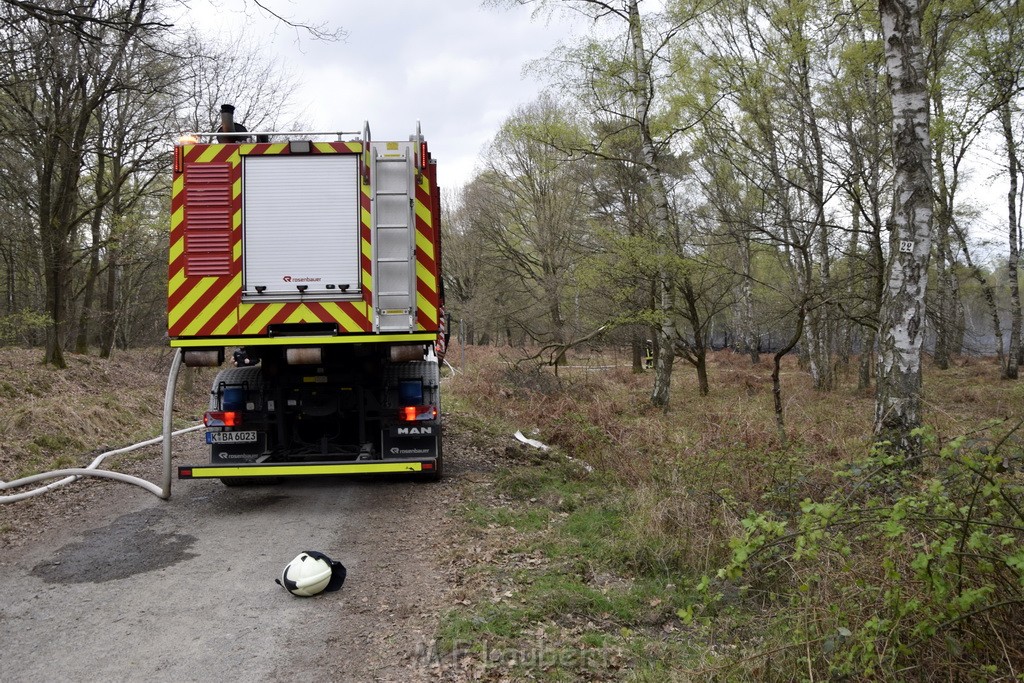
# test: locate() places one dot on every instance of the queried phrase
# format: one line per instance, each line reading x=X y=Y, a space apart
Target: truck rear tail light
x=222 y=418
x=417 y=413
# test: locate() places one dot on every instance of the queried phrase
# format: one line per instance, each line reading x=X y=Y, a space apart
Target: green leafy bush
x=909 y=570
x=21 y=327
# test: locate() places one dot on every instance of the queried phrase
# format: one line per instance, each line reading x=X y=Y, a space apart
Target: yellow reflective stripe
x=178 y=185
x=228 y=325
x=344 y=321
x=424 y=244
x=302 y=314
x=428 y=309
x=176 y=281
x=203 y=317
x=197 y=291
x=210 y=153
x=208 y=342
x=236 y=188
x=263 y=319
x=236 y=223
x=177 y=217
x=297 y=315
x=324 y=147
x=201 y=472
x=424 y=213
x=428 y=278
x=176 y=249
x=277 y=148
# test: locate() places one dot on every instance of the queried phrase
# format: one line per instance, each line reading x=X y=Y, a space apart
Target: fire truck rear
x=319 y=262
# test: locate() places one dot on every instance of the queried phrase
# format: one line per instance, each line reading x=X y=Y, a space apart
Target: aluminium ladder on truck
x=394 y=234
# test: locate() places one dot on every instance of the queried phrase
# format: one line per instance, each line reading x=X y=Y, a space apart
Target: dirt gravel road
x=118 y=585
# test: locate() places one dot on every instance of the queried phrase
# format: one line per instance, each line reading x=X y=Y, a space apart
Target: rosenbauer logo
x=289 y=278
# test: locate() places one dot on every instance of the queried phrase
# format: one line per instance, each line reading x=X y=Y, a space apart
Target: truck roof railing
x=251 y=133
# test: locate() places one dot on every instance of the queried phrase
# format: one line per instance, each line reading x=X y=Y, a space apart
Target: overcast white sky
x=454 y=65
x=451 y=64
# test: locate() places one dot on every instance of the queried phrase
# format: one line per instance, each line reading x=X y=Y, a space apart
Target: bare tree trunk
x=867 y=352
x=637 y=347
x=943 y=220
x=1011 y=370
x=780 y=421
x=988 y=293
x=702 y=371
x=89 y=294
x=943 y=325
x=109 y=316
x=820 y=330
x=750 y=339
x=898 y=397
x=697 y=352
x=642 y=93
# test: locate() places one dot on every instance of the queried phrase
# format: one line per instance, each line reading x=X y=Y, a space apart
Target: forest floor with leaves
x=644 y=545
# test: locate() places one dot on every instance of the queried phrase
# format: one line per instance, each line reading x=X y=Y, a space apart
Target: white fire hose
x=74 y=473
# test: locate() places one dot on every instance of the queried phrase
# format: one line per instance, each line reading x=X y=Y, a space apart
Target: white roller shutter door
x=300 y=222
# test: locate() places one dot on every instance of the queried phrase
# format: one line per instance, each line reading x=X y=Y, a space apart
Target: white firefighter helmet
x=312 y=572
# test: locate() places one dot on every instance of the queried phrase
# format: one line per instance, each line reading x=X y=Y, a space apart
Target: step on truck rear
x=313 y=267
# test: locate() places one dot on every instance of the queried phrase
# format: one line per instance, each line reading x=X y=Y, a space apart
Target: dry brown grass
x=711 y=474
x=51 y=417
x=726 y=444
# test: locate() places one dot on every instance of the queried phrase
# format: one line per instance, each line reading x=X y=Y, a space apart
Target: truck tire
x=251 y=376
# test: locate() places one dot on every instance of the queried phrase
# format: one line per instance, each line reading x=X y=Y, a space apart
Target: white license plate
x=231 y=437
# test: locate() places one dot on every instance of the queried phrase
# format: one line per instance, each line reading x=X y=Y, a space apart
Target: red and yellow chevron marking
x=350 y=316
x=210 y=305
x=426 y=257
x=365 y=244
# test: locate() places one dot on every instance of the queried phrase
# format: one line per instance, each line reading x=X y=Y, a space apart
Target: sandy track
x=103 y=581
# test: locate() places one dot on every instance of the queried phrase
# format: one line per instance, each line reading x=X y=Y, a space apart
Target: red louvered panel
x=196 y=241
x=208 y=219
x=203 y=265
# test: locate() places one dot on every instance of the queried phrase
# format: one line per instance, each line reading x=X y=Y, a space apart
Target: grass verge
x=695 y=545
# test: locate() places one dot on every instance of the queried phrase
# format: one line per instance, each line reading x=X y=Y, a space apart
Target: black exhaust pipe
x=228 y=125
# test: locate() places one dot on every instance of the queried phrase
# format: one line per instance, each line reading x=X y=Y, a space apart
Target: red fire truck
x=320 y=262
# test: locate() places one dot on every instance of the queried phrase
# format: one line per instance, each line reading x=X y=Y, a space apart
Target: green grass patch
x=569 y=598
x=7 y=390
x=521 y=520
x=57 y=442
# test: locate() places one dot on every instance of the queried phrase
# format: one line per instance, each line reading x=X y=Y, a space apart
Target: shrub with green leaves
x=908 y=570
x=21 y=327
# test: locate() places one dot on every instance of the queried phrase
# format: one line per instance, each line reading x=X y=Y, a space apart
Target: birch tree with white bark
x=898 y=395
